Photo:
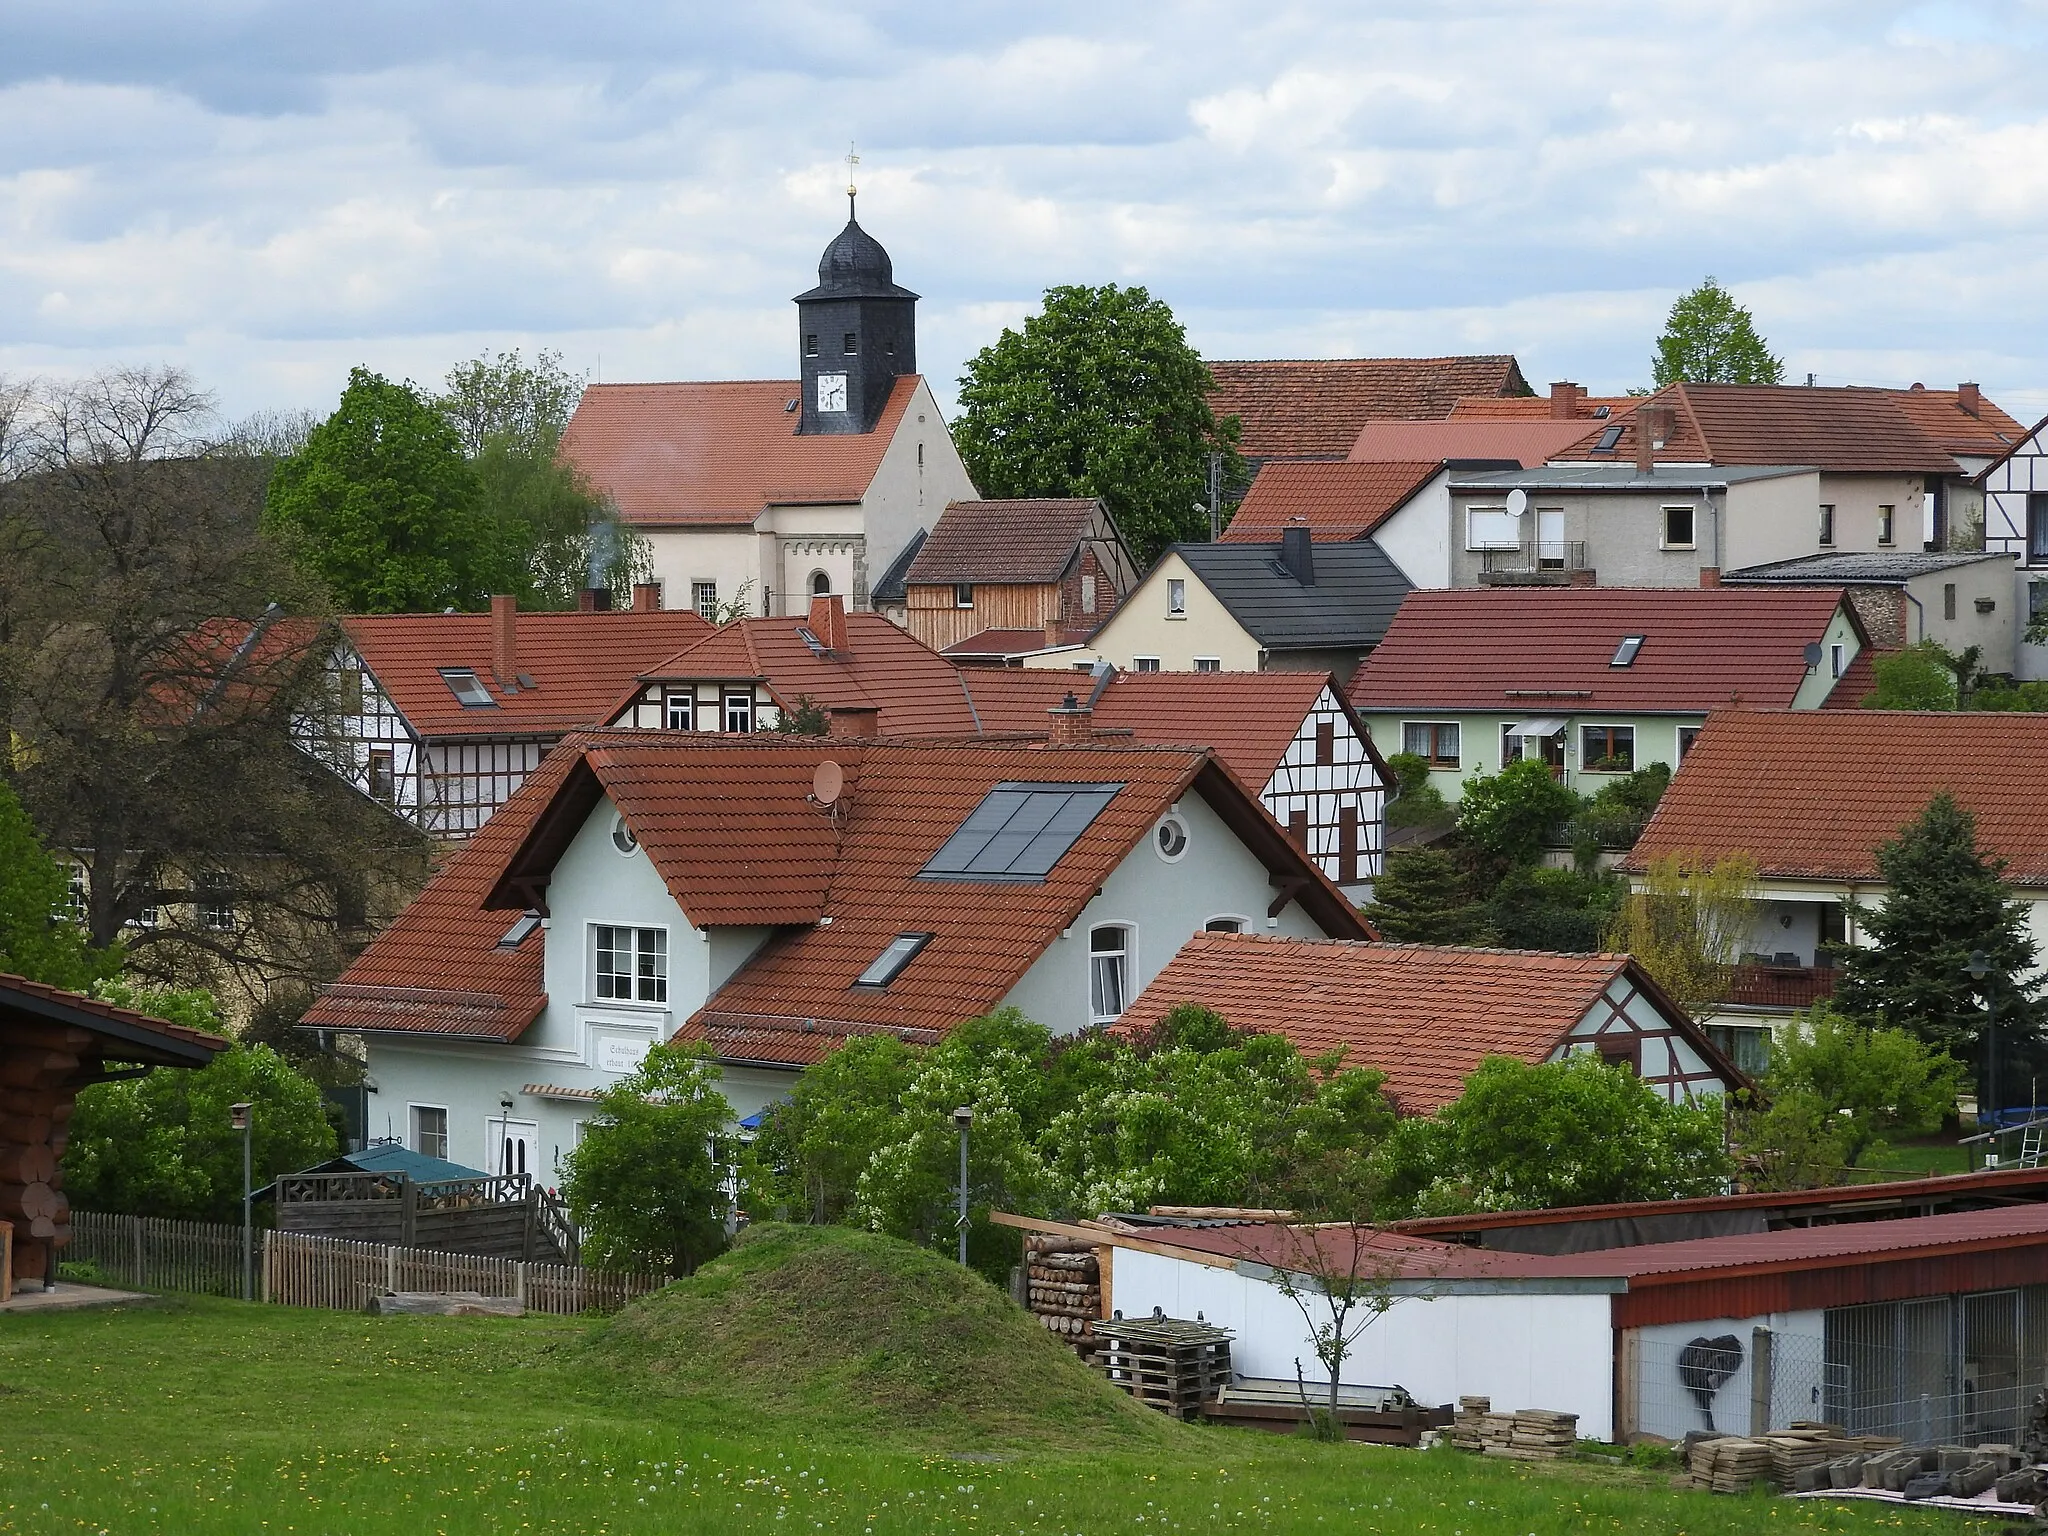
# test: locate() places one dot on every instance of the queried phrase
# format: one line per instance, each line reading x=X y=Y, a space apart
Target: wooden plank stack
x=1530 y=1434
x=1167 y=1363
x=1063 y=1289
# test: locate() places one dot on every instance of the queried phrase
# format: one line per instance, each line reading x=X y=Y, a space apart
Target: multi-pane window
x=739 y=711
x=1435 y=741
x=430 y=1131
x=1144 y=663
x=704 y=598
x=1208 y=663
x=1607 y=748
x=1109 y=956
x=631 y=964
x=1176 y=598
x=216 y=902
x=679 y=710
x=76 y=900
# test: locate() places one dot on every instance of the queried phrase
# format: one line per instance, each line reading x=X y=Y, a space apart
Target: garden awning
x=1542 y=725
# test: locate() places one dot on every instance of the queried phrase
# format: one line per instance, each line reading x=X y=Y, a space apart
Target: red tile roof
x=19 y=995
x=1537 y=407
x=582 y=662
x=883 y=667
x=1527 y=443
x=1249 y=719
x=1811 y=794
x=1334 y=500
x=728 y=822
x=1939 y=413
x=1846 y=431
x=1424 y=1015
x=1551 y=648
x=676 y=455
x=1313 y=408
x=1023 y=541
x=1856 y=682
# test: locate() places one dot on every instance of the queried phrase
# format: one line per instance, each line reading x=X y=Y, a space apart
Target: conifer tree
x=1947 y=899
x=1423 y=898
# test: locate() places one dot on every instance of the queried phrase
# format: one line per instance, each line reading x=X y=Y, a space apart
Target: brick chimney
x=505 y=640
x=1653 y=430
x=646 y=597
x=1055 y=633
x=1298 y=554
x=828 y=622
x=1710 y=575
x=1582 y=578
x=1073 y=724
x=853 y=722
x=594 y=600
x=1564 y=399
x=1970 y=398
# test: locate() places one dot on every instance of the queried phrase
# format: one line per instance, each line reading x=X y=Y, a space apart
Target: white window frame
x=1687 y=736
x=1507 y=525
x=1144 y=663
x=687 y=714
x=594 y=989
x=412 y=1129
x=1127 y=969
x=1208 y=663
x=1585 y=766
x=726 y=713
x=1244 y=924
x=1176 y=597
x=1161 y=835
x=963 y=594
x=1838 y=660
x=215 y=906
x=704 y=598
x=1692 y=517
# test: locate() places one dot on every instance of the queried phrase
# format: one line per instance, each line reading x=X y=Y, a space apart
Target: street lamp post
x=963 y=1117
x=1980 y=970
x=242 y=1117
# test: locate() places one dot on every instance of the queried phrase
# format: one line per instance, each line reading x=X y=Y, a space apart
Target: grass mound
x=870 y=1335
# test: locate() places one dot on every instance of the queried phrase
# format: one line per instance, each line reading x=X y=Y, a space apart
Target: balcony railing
x=1776 y=986
x=1533 y=564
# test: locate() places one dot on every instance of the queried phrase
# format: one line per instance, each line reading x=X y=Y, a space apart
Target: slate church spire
x=857 y=332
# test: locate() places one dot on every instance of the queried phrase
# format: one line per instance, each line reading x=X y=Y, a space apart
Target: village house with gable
x=773 y=897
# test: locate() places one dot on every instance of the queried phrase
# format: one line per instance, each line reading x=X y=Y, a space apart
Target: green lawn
x=1924 y=1157
x=738 y=1403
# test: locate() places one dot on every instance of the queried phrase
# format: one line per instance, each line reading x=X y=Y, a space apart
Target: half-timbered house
x=2015 y=486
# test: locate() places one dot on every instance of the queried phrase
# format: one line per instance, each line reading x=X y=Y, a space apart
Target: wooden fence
x=299 y=1269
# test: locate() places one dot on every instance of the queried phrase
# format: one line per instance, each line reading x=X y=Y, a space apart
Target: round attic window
x=623 y=837
x=1171 y=839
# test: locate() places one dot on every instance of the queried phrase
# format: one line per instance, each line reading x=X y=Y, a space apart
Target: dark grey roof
x=890 y=589
x=1623 y=477
x=855 y=266
x=1351 y=602
x=1881 y=565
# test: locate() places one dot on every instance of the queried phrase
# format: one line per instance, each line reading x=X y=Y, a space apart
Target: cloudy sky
x=268 y=193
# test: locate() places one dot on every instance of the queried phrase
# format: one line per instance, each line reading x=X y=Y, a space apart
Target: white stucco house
x=772 y=897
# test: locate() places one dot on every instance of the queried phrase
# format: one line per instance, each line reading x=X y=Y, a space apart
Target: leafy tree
x=2005 y=695
x=813 y=1146
x=1835 y=1091
x=1422 y=898
x=1098 y=395
x=559 y=532
x=1710 y=339
x=646 y=1185
x=153 y=679
x=1688 y=923
x=384 y=509
x=1618 y=812
x=161 y=1144
x=1946 y=900
x=1562 y=910
x=1509 y=818
x=1921 y=676
x=1416 y=802
x=38 y=938
x=1571 y=1132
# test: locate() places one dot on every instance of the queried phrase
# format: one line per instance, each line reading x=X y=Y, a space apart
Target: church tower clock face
x=832 y=392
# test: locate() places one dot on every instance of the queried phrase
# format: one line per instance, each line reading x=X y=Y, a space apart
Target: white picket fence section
x=298 y=1269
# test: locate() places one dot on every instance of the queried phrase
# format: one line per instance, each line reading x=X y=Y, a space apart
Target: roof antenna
x=852 y=164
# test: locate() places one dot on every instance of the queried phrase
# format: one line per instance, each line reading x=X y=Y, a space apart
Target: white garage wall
x=1522 y=1348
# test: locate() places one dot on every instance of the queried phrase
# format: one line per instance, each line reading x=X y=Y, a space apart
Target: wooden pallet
x=1164 y=1362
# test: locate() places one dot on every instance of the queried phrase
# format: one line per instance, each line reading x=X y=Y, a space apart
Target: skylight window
x=1625 y=653
x=890 y=962
x=1019 y=832
x=1608 y=439
x=817 y=646
x=522 y=925
x=468 y=688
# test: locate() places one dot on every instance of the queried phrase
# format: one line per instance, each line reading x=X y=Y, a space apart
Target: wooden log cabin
x=53 y=1043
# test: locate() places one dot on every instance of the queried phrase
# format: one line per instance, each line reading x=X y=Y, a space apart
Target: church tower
x=857 y=334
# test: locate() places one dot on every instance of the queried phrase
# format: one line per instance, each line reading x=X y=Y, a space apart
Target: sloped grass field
x=808 y=1381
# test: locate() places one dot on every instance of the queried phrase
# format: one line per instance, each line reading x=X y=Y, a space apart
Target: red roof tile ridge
x=113 y=1012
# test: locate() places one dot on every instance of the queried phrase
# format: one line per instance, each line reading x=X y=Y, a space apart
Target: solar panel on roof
x=1019 y=832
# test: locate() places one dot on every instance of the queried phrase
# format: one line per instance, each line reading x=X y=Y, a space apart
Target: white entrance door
x=513 y=1146
x=1550 y=538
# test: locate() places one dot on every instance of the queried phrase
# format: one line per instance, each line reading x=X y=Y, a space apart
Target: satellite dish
x=827 y=782
x=1518 y=502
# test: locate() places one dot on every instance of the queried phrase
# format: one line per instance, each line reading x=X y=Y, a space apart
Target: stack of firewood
x=1063 y=1288
x=37 y=1082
